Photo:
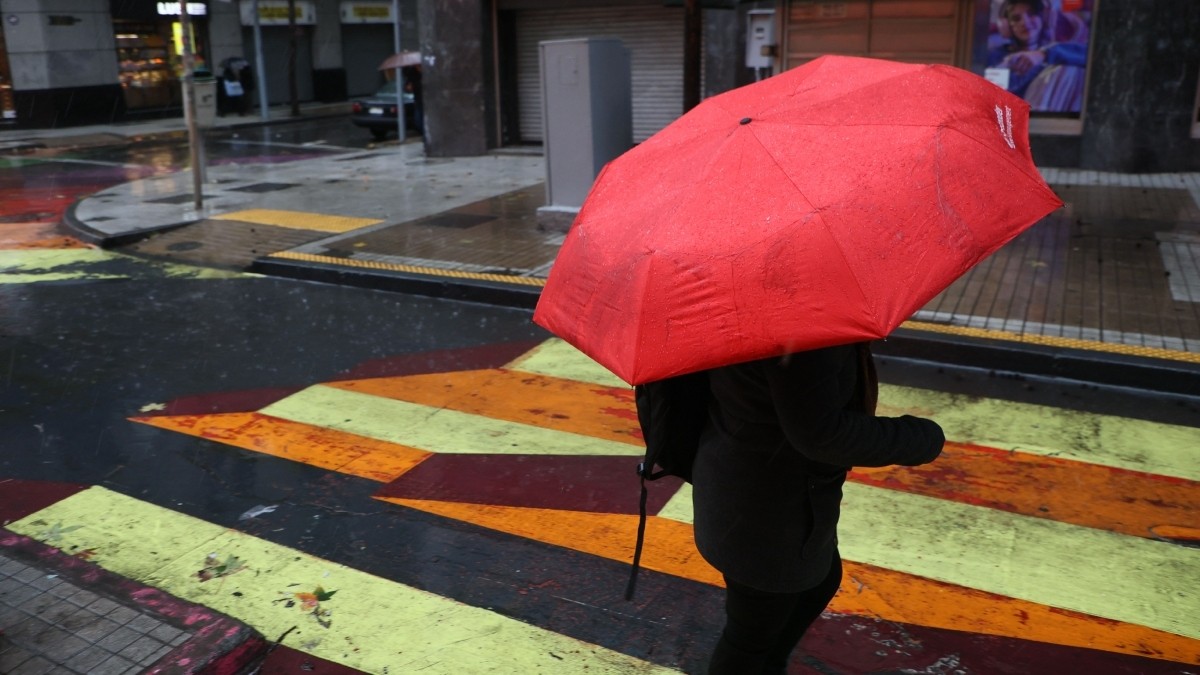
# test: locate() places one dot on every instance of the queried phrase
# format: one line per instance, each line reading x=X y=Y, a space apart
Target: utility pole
x=260 y=65
x=292 y=90
x=189 y=107
x=691 y=54
x=399 y=71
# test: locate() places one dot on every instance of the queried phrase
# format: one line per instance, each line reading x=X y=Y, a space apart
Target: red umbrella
x=401 y=60
x=821 y=206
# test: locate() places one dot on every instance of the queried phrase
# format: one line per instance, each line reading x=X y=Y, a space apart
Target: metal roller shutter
x=364 y=47
x=654 y=37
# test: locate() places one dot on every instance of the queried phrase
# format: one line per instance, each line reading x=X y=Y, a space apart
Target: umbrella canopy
x=401 y=60
x=817 y=207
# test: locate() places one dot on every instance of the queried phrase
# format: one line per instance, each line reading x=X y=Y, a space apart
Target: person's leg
x=754 y=623
x=808 y=607
x=762 y=629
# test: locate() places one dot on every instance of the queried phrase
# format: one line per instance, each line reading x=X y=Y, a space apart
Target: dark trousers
x=762 y=629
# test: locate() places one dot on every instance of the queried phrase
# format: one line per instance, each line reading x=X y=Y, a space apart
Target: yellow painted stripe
x=524 y=398
x=866 y=590
x=1086 y=570
x=1124 y=443
x=32 y=265
x=23 y=266
x=1120 y=442
x=410 y=269
x=299 y=220
x=1096 y=572
x=1053 y=341
x=374 y=625
x=433 y=429
x=557 y=358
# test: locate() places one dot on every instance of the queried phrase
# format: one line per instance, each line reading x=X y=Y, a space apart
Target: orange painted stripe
x=317 y=446
x=526 y=398
x=1106 y=498
x=866 y=590
x=36 y=235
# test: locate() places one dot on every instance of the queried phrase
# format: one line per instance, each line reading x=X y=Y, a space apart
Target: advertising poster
x=1038 y=50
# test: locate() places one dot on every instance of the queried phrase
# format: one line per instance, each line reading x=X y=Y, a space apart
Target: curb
x=83 y=231
x=450 y=288
x=218 y=644
x=1179 y=378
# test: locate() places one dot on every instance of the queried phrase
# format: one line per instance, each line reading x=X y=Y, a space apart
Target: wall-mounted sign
x=63 y=20
x=172 y=8
x=366 y=11
x=275 y=13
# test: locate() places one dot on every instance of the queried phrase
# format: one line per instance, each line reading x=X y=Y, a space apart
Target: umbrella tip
x=745 y=120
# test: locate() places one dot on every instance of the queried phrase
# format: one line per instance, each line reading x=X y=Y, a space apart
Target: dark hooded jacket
x=782 y=432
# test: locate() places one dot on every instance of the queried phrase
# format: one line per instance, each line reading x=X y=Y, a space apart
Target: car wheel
x=379 y=134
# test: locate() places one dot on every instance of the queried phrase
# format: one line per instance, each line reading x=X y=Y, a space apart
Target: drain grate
x=263 y=187
x=177 y=199
x=459 y=221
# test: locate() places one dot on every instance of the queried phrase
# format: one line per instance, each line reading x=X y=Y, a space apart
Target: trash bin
x=205 y=89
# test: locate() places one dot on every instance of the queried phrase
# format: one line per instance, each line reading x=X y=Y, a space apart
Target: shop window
x=8 y=107
x=144 y=61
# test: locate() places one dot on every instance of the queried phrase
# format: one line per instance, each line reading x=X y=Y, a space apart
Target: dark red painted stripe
x=19 y=498
x=848 y=644
x=247 y=400
x=438 y=361
x=284 y=660
x=217 y=644
x=447 y=360
x=602 y=484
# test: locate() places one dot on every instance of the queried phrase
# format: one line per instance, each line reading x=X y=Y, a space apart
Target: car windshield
x=388 y=89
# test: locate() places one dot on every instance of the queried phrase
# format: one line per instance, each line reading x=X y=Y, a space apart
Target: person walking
x=767 y=486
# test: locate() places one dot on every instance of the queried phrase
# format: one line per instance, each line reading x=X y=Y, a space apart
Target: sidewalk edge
x=450 y=288
x=90 y=235
x=218 y=643
x=1099 y=368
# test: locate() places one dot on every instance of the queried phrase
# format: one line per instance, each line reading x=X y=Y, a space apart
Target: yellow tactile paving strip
x=1052 y=341
x=299 y=220
x=410 y=269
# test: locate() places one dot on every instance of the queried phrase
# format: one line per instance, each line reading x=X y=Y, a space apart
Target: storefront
x=278 y=43
x=8 y=105
x=368 y=37
x=149 y=38
x=652 y=32
x=1038 y=49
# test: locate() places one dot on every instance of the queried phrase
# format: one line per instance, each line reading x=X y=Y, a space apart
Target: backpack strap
x=641 y=534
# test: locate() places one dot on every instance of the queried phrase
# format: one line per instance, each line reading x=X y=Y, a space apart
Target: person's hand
x=934 y=439
x=1023 y=62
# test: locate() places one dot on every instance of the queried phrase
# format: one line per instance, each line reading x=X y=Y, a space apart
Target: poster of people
x=1038 y=49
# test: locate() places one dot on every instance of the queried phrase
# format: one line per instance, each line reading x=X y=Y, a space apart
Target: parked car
x=378 y=111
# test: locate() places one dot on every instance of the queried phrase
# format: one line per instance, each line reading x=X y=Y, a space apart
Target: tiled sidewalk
x=60 y=614
x=1119 y=264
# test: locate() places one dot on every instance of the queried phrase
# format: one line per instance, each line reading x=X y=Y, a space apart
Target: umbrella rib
x=817 y=212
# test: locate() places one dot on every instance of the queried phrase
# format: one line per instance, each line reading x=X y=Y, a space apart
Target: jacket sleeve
x=811 y=394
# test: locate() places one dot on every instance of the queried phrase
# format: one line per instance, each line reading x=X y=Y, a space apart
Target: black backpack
x=672 y=414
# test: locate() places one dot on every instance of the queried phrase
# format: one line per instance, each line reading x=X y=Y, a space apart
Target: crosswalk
x=1038 y=525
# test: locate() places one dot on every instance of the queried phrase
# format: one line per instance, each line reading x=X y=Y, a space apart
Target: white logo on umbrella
x=1004 y=121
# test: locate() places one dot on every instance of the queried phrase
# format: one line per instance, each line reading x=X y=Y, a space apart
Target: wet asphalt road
x=111 y=338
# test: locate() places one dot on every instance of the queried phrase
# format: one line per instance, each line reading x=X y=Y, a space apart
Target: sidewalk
x=1106 y=290
x=60 y=613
